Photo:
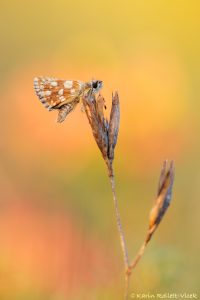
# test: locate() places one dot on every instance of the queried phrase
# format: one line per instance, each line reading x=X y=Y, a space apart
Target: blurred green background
x=58 y=236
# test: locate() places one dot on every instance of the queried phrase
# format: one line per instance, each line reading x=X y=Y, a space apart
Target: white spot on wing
x=72 y=91
x=62 y=98
x=42 y=94
x=48 y=93
x=68 y=84
x=60 y=92
x=54 y=83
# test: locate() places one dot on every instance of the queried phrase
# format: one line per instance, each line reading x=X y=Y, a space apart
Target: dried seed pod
x=159 y=209
x=113 y=125
x=163 y=197
x=97 y=121
x=104 y=132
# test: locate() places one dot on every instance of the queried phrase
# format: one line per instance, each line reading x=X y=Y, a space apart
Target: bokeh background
x=58 y=235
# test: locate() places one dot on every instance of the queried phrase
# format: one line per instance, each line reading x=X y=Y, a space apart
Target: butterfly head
x=96 y=85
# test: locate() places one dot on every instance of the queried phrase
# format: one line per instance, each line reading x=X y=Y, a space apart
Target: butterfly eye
x=95 y=84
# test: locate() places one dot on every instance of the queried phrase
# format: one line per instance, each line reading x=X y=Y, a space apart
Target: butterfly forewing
x=54 y=93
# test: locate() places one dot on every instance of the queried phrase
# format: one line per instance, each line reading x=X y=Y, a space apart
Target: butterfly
x=63 y=95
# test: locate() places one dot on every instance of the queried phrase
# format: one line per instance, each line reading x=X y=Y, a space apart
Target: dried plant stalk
x=105 y=134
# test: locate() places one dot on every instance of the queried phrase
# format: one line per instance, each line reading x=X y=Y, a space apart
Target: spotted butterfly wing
x=66 y=109
x=58 y=94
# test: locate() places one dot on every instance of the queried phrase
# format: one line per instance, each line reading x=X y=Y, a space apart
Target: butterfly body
x=62 y=95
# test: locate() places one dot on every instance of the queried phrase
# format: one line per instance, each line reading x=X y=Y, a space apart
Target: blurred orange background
x=58 y=235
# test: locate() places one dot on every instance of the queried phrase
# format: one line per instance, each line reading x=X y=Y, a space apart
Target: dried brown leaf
x=97 y=122
x=113 y=125
x=163 y=197
x=100 y=106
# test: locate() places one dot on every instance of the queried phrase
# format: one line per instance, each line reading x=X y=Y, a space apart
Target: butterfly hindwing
x=65 y=110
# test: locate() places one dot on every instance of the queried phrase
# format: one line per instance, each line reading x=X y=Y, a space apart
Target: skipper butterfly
x=63 y=95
